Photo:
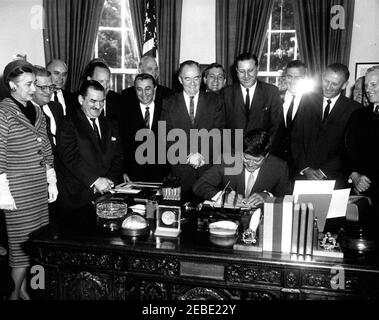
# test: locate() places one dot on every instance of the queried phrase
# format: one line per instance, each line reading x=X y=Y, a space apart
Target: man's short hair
x=372 y=69
x=339 y=68
x=93 y=84
x=214 y=65
x=257 y=142
x=54 y=61
x=295 y=64
x=188 y=63
x=41 y=71
x=92 y=65
x=246 y=56
x=144 y=76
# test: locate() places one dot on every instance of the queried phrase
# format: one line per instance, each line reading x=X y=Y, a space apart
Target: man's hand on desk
x=361 y=182
x=196 y=160
x=313 y=174
x=102 y=185
x=255 y=200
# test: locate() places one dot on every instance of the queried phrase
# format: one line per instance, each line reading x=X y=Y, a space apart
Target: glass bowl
x=111 y=209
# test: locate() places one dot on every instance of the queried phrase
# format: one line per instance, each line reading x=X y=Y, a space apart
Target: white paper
x=313 y=187
x=254 y=220
x=338 y=203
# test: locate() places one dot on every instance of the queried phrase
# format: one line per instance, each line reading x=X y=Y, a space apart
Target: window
x=280 y=44
x=116 y=43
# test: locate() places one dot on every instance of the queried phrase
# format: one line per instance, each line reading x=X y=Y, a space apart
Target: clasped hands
x=254 y=200
x=361 y=182
x=102 y=185
x=195 y=160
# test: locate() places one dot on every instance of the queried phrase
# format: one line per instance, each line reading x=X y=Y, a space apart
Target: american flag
x=150 y=46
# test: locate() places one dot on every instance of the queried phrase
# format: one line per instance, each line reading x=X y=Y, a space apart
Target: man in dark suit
x=251 y=103
x=59 y=73
x=99 y=71
x=52 y=110
x=362 y=137
x=143 y=113
x=324 y=127
x=296 y=102
x=89 y=153
x=196 y=110
x=262 y=174
x=147 y=65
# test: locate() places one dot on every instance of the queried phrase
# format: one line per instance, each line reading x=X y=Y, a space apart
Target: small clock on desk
x=168 y=221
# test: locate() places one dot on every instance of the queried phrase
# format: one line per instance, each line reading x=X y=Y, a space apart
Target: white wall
x=198 y=32
x=365 y=39
x=21 y=31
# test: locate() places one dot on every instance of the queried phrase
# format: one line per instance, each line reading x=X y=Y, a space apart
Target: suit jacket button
x=39 y=151
x=41 y=163
x=39 y=139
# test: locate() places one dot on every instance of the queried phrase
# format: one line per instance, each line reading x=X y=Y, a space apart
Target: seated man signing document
x=259 y=176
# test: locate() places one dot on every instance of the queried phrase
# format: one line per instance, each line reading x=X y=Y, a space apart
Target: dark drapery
x=169 y=16
x=320 y=42
x=70 y=34
x=137 y=9
x=241 y=26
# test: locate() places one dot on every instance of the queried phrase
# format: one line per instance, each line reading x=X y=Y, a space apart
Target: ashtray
x=223 y=228
x=111 y=209
x=134 y=225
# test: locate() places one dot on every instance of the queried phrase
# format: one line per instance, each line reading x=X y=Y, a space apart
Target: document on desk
x=313 y=187
x=338 y=203
x=127 y=188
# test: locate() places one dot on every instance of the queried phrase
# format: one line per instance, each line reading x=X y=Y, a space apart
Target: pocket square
x=113 y=139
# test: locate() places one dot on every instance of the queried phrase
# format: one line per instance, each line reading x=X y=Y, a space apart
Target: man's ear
x=180 y=80
x=89 y=78
x=345 y=85
x=80 y=99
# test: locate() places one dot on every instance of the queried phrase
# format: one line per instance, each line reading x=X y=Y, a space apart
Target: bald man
x=59 y=73
x=147 y=65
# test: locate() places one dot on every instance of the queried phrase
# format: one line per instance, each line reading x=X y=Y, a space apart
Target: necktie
x=326 y=111
x=96 y=130
x=147 y=117
x=289 y=113
x=247 y=103
x=250 y=184
x=192 y=110
x=56 y=96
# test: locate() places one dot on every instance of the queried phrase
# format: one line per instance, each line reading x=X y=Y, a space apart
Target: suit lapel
x=257 y=102
x=238 y=98
x=87 y=127
x=22 y=118
x=183 y=111
x=337 y=110
x=200 y=109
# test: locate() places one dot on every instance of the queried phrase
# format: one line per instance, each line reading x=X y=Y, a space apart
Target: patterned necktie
x=96 y=130
x=326 y=111
x=56 y=96
x=250 y=184
x=247 y=103
x=192 y=110
x=289 y=113
x=147 y=117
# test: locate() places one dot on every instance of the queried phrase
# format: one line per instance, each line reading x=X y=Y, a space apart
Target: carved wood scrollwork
x=153 y=291
x=316 y=280
x=200 y=293
x=291 y=279
x=86 y=286
x=248 y=274
x=165 y=266
x=259 y=295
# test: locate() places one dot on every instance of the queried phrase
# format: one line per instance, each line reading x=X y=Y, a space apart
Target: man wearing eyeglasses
x=262 y=175
x=52 y=110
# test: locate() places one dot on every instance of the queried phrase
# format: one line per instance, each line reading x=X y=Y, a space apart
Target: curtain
x=320 y=42
x=241 y=26
x=169 y=16
x=70 y=34
x=137 y=9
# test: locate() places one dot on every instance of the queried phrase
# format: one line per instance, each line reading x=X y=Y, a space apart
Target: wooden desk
x=87 y=264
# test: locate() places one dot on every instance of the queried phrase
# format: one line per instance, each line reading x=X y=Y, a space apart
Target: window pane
x=131 y=55
x=282 y=50
x=110 y=47
x=263 y=62
x=282 y=15
x=111 y=16
x=128 y=17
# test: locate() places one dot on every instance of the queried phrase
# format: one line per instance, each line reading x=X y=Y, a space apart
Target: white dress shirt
x=333 y=102
x=151 y=111
x=286 y=105
x=97 y=123
x=60 y=99
x=251 y=92
x=247 y=175
x=187 y=101
x=53 y=125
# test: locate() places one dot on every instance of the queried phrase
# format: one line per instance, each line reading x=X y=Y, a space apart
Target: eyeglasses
x=46 y=88
x=253 y=161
